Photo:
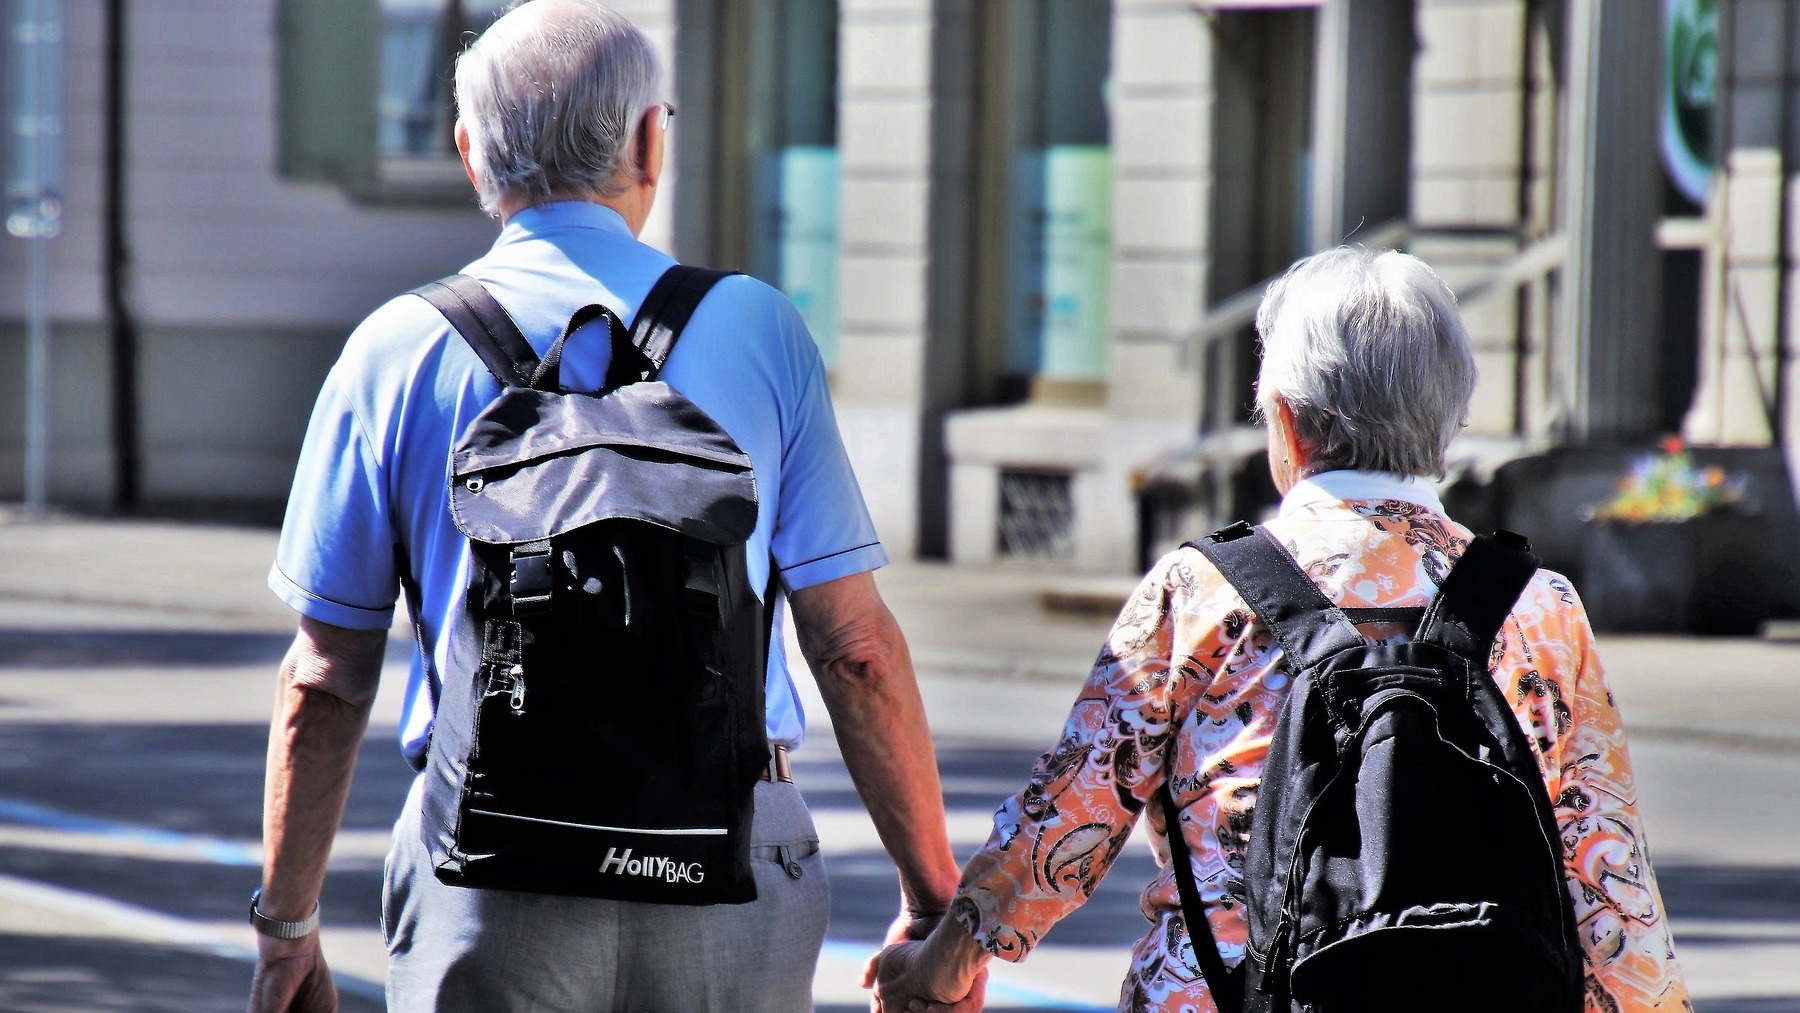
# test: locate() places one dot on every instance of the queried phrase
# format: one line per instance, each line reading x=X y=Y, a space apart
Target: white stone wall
x=884 y=129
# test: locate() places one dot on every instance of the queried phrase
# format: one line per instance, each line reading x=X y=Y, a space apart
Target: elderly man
x=562 y=131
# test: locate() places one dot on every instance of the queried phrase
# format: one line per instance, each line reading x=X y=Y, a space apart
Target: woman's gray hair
x=1367 y=348
x=551 y=96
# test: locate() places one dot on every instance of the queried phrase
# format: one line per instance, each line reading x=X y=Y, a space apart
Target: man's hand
x=291 y=977
x=909 y=980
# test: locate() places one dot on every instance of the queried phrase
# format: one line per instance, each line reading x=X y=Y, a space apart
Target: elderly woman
x=1366 y=376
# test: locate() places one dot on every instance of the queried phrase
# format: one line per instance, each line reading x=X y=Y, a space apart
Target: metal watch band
x=275 y=928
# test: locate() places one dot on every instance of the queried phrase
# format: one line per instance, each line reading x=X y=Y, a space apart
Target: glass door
x=777 y=217
x=1060 y=205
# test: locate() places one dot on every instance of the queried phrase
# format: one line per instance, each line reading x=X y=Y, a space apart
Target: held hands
x=909 y=981
x=928 y=966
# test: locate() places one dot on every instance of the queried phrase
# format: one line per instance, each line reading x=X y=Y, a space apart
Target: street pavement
x=137 y=665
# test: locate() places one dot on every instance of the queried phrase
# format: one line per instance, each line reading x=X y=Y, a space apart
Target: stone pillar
x=1468 y=165
x=884 y=129
x=1744 y=397
x=1736 y=398
x=1162 y=184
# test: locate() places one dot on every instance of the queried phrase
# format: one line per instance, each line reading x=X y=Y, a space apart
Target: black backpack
x=600 y=730
x=1403 y=854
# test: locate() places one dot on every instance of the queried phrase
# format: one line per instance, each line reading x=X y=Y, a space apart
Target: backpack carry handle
x=637 y=355
x=659 y=322
x=548 y=375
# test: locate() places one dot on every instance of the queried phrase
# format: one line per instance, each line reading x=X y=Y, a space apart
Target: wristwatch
x=275 y=928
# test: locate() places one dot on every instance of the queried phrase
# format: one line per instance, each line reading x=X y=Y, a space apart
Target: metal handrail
x=1227 y=317
x=1528 y=265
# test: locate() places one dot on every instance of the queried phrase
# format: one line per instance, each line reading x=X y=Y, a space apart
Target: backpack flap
x=537 y=464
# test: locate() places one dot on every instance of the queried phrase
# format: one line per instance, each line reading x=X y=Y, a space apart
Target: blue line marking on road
x=997 y=992
x=216 y=850
x=221 y=851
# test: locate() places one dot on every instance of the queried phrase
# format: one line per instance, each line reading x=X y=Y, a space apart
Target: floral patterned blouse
x=1187 y=657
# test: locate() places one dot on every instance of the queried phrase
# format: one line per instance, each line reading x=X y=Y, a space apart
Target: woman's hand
x=946 y=973
x=909 y=981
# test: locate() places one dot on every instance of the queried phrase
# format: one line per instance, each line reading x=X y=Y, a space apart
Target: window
x=366 y=95
x=1045 y=172
x=1263 y=157
x=760 y=78
x=1037 y=514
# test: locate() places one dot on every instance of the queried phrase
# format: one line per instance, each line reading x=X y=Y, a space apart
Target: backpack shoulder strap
x=1227 y=987
x=659 y=322
x=1305 y=623
x=1478 y=594
x=485 y=325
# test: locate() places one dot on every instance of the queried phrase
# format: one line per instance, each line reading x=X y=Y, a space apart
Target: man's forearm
x=886 y=743
x=865 y=674
x=321 y=713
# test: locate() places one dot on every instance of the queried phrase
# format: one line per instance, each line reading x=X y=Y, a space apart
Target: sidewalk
x=962 y=623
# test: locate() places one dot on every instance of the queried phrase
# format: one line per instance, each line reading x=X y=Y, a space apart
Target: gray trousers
x=453 y=948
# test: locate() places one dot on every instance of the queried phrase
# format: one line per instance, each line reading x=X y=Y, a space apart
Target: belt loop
x=778 y=769
x=785 y=856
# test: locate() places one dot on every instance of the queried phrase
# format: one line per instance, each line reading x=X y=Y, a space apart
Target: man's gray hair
x=1367 y=348
x=551 y=96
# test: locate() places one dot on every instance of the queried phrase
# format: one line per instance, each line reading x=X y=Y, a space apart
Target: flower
x=1668 y=487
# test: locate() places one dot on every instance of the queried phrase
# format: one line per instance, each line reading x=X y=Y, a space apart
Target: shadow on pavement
x=30 y=648
x=1746 y=893
x=56 y=975
x=79 y=648
x=195 y=779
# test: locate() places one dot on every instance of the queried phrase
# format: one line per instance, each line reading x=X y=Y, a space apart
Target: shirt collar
x=1329 y=487
x=567 y=214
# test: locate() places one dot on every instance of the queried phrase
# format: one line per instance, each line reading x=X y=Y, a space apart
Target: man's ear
x=462 y=150
x=651 y=145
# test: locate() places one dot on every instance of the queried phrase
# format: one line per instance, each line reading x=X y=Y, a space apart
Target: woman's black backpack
x=600 y=730
x=1403 y=854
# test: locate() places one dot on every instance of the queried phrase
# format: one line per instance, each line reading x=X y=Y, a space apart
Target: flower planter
x=1708 y=575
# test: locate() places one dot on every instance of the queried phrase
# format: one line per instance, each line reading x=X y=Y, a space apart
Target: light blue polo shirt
x=371 y=488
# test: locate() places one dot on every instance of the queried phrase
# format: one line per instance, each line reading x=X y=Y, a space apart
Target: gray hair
x=1367 y=348
x=551 y=96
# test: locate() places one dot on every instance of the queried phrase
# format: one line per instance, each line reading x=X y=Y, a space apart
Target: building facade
x=1029 y=235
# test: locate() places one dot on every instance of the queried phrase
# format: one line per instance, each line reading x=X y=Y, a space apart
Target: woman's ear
x=1288 y=456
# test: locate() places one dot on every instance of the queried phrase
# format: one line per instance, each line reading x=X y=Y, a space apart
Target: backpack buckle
x=1232 y=532
x=531 y=579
